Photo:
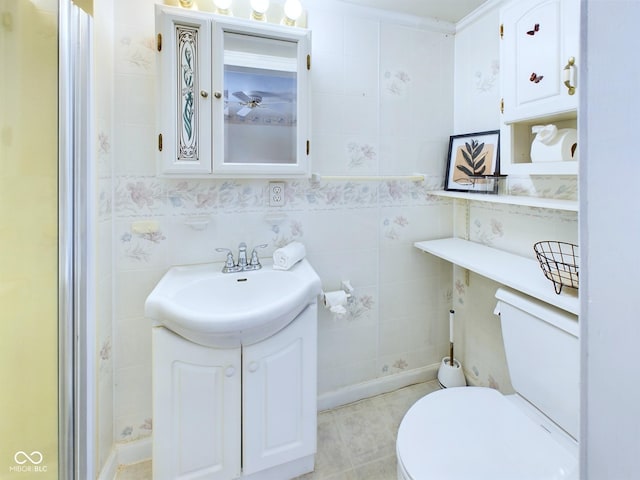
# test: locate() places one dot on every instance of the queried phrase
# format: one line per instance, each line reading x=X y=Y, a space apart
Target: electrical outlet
x=276 y=194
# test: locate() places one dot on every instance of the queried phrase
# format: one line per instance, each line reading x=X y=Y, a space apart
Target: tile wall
x=382 y=104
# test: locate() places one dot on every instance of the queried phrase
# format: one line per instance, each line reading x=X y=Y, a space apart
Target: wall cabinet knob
x=204 y=93
x=230 y=371
x=217 y=95
x=253 y=366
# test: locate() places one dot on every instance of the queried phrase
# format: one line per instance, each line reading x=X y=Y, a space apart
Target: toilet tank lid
x=544 y=311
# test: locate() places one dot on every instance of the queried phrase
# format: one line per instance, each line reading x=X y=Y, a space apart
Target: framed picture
x=472 y=157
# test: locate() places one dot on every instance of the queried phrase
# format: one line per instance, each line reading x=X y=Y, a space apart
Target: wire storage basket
x=559 y=262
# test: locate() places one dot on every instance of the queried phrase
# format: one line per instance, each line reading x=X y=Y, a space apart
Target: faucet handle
x=229 y=262
x=254 y=254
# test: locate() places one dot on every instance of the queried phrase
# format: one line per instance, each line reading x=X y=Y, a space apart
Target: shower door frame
x=76 y=330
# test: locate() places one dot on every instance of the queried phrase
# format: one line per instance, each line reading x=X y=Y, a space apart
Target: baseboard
x=110 y=467
x=380 y=385
x=126 y=454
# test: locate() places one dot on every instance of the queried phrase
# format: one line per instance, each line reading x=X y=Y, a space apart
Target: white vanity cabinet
x=247 y=412
x=539 y=56
x=233 y=96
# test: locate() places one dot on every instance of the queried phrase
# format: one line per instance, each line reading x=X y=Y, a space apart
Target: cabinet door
x=538 y=39
x=261 y=109
x=196 y=410
x=184 y=87
x=279 y=395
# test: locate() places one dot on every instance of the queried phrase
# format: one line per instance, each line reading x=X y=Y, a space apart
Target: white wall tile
x=133 y=348
x=135 y=152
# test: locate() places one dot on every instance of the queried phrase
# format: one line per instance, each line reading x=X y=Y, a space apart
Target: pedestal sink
x=226 y=310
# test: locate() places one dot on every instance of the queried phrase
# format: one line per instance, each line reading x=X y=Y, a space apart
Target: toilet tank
x=543 y=356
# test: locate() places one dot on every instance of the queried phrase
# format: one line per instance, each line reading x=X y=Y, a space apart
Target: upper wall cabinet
x=539 y=56
x=233 y=96
x=539 y=50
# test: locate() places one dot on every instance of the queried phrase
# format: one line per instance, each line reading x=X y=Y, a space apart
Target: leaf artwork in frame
x=472 y=156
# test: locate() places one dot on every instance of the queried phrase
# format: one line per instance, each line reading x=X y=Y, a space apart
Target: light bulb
x=292 y=11
x=186 y=3
x=259 y=8
x=222 y=6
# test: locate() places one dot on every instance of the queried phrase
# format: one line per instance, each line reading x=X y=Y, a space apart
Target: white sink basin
x=226 y=310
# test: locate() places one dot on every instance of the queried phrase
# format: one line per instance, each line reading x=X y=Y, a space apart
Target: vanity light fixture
x=292 y=11
x=223 y=7
x=259 y=10
x=186 y=3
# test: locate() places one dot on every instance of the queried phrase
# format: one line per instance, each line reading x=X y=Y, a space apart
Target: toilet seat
x=477 y=433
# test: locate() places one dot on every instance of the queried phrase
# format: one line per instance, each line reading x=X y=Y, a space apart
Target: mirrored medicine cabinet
x=233 y=96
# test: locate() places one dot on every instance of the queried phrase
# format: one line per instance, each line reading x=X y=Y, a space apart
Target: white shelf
x=520 y=273
x=548 y=203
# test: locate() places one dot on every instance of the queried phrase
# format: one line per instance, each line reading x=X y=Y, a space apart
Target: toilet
x=478 y=433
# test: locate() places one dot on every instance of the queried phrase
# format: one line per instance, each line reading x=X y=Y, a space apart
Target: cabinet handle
x=253 y=366
x=230 y=371
x=204 y=93
x=569 y=75
x=217 y=95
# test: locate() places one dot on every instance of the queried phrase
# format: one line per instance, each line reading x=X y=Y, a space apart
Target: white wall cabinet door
x=261 y=121
x=197 y=408
x=184 y=92
x=539 y=53
x=538 y=40
x=279 y=396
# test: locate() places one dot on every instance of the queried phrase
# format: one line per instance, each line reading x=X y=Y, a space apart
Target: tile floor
x=355 y=442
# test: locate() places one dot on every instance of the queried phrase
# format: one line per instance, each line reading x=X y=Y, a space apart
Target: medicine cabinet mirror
x=234 y=96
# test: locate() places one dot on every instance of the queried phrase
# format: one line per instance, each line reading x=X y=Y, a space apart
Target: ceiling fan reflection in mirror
x=248 y=101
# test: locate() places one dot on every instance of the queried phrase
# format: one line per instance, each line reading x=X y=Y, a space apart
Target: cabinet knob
x=253 y=366
x=204 y=93
x=217 y=95
x=230 y=371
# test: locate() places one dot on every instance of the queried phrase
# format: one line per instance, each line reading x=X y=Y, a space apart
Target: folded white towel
x=286 y=257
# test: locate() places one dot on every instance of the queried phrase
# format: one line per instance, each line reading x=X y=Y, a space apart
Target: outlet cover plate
x=276 y=194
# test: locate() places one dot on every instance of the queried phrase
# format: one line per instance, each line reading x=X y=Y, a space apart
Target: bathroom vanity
x=231 y=413
x=234 y=392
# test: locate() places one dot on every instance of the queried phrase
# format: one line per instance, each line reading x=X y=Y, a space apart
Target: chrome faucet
x=243 y=265
x=242 y=255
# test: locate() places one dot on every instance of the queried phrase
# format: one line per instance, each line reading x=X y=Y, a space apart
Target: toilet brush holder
x=449 y=375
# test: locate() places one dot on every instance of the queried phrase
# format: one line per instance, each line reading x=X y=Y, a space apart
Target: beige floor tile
x=331 y=457
x=382 y=469
x=366 y=430
x=136 y=471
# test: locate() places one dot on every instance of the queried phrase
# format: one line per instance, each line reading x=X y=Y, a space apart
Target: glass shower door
x=29 y=239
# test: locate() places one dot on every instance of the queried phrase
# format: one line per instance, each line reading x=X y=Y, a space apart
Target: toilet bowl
x=477 y=433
